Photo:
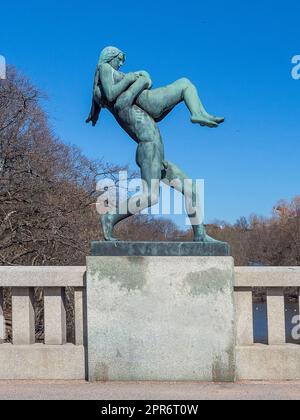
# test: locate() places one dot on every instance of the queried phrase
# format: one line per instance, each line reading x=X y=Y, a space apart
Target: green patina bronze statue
x=138 y=108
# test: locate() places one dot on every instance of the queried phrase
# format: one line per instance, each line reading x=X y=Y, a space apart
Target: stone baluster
x=276 y=316
x=2 y=320
x=80 y=319
x=23 y=320
x=55 y=316
x=244 y=317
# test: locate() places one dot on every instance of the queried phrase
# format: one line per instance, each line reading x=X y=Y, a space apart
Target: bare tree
x=47 y=188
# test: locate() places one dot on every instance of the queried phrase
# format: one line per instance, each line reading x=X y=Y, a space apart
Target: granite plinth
x=160 y=319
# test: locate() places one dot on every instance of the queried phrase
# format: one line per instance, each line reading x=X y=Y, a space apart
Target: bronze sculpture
x=138 y=108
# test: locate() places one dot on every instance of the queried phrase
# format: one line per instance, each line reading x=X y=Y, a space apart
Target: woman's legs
x=159 y=102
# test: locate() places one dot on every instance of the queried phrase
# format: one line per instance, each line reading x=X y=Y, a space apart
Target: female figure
x=138 y=108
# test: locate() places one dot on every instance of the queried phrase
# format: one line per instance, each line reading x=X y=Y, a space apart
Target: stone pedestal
x=160 y=249
x=160 y=318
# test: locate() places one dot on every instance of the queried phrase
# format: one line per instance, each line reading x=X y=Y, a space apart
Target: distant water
x=261 y=324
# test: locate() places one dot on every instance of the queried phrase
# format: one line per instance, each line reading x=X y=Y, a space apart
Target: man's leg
x=150 y=161
x=176 y=178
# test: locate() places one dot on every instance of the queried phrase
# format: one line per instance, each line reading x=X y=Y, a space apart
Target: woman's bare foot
x=107 y=228
x=218 y=120
x=203 y=121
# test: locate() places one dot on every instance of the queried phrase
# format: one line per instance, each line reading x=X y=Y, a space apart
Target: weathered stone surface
x=244 y=317
x=276 y=316
x=23 y=321
x=160 y=318
x=2 y=321
x=159 y=249
x=41 y=362
x=42 y=276
x=80 y=316
x=268 y=363
x=267 y=277
x=55 y=316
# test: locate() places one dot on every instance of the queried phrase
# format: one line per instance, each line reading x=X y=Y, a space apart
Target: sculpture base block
x=160 y=319
x=160 y=249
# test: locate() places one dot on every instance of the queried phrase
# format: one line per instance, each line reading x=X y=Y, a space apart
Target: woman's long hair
x=106 y=56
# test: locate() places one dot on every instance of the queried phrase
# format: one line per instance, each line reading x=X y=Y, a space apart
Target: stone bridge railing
x=56 y=358
x=277 y=360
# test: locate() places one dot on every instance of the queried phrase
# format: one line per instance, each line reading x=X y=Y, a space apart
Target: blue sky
x=238 y=53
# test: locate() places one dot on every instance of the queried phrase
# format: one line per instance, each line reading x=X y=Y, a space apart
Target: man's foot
x=200 y=235
x=203 y=121
x=107 y=227
x=207 y=239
